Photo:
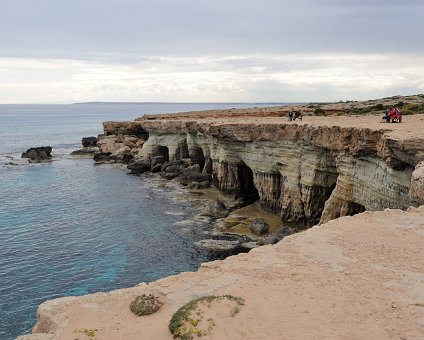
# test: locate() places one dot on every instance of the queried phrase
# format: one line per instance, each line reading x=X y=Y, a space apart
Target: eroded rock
x=417 y=184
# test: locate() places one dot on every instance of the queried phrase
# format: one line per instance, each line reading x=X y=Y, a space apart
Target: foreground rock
x=355 y=277
x=38 y=154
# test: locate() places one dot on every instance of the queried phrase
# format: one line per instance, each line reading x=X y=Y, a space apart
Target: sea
x=69 y=227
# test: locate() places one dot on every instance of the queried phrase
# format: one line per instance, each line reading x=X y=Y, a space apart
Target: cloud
x=199 y=50
x=257 y=77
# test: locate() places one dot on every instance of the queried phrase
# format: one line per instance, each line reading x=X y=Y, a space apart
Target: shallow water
x=71 y=228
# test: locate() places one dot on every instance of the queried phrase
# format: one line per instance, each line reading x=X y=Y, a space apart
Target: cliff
x=308 y=172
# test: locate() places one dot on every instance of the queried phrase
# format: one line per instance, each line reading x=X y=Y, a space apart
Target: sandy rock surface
x=355 y=277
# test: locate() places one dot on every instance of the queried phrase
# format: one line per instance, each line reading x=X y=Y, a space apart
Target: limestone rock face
x=417 y=184
x=307 y=174
x=122 y=140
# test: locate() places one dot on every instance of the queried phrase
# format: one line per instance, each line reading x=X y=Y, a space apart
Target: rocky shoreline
x=351 y=276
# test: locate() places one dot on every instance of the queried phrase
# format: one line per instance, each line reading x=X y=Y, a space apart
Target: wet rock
x=218 y=210
x=193 y=168
x=259 y=226
x=38 y=154
x=140 y=166
x=156 y=167
x=85 y=151
x=218 y=245
x=145 y=304
x=187 y=177
x=171 y=166
x=89 y=141
x=101 y=157
x=169 y=175
x=157 y=160
x=199 y=185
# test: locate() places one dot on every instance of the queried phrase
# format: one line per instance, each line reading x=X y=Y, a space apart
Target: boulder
x=187 y=177
x=259 y=226
x=157 y=160
x=199 y=185
x=218 y=210
x=101 y=157
x=193 y=168
x=156 y=167
x=38 y=154
x=140 y=166
x=89 y=141
x=172 y=166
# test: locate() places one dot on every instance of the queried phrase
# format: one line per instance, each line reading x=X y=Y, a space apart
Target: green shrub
x=183 y=316
x=319 y=112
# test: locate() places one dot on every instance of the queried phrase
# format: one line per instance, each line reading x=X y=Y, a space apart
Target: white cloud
x=278 y=77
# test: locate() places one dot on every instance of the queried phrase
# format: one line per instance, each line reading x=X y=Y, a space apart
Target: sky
x=69 y=51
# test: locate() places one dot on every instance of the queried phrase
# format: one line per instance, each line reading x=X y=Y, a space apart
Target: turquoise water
x=71 y=228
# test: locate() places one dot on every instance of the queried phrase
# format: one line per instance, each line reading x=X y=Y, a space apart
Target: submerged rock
x=38 y=154
x=218 y=245
x=85 y=151
x=259 y=226
x=218 y=210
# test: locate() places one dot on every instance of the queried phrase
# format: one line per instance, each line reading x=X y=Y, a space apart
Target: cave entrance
x=247 y=191
x=197 y=156
x=162 y=151
x=355 y=208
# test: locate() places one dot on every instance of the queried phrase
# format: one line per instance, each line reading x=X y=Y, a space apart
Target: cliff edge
x=357 y=277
